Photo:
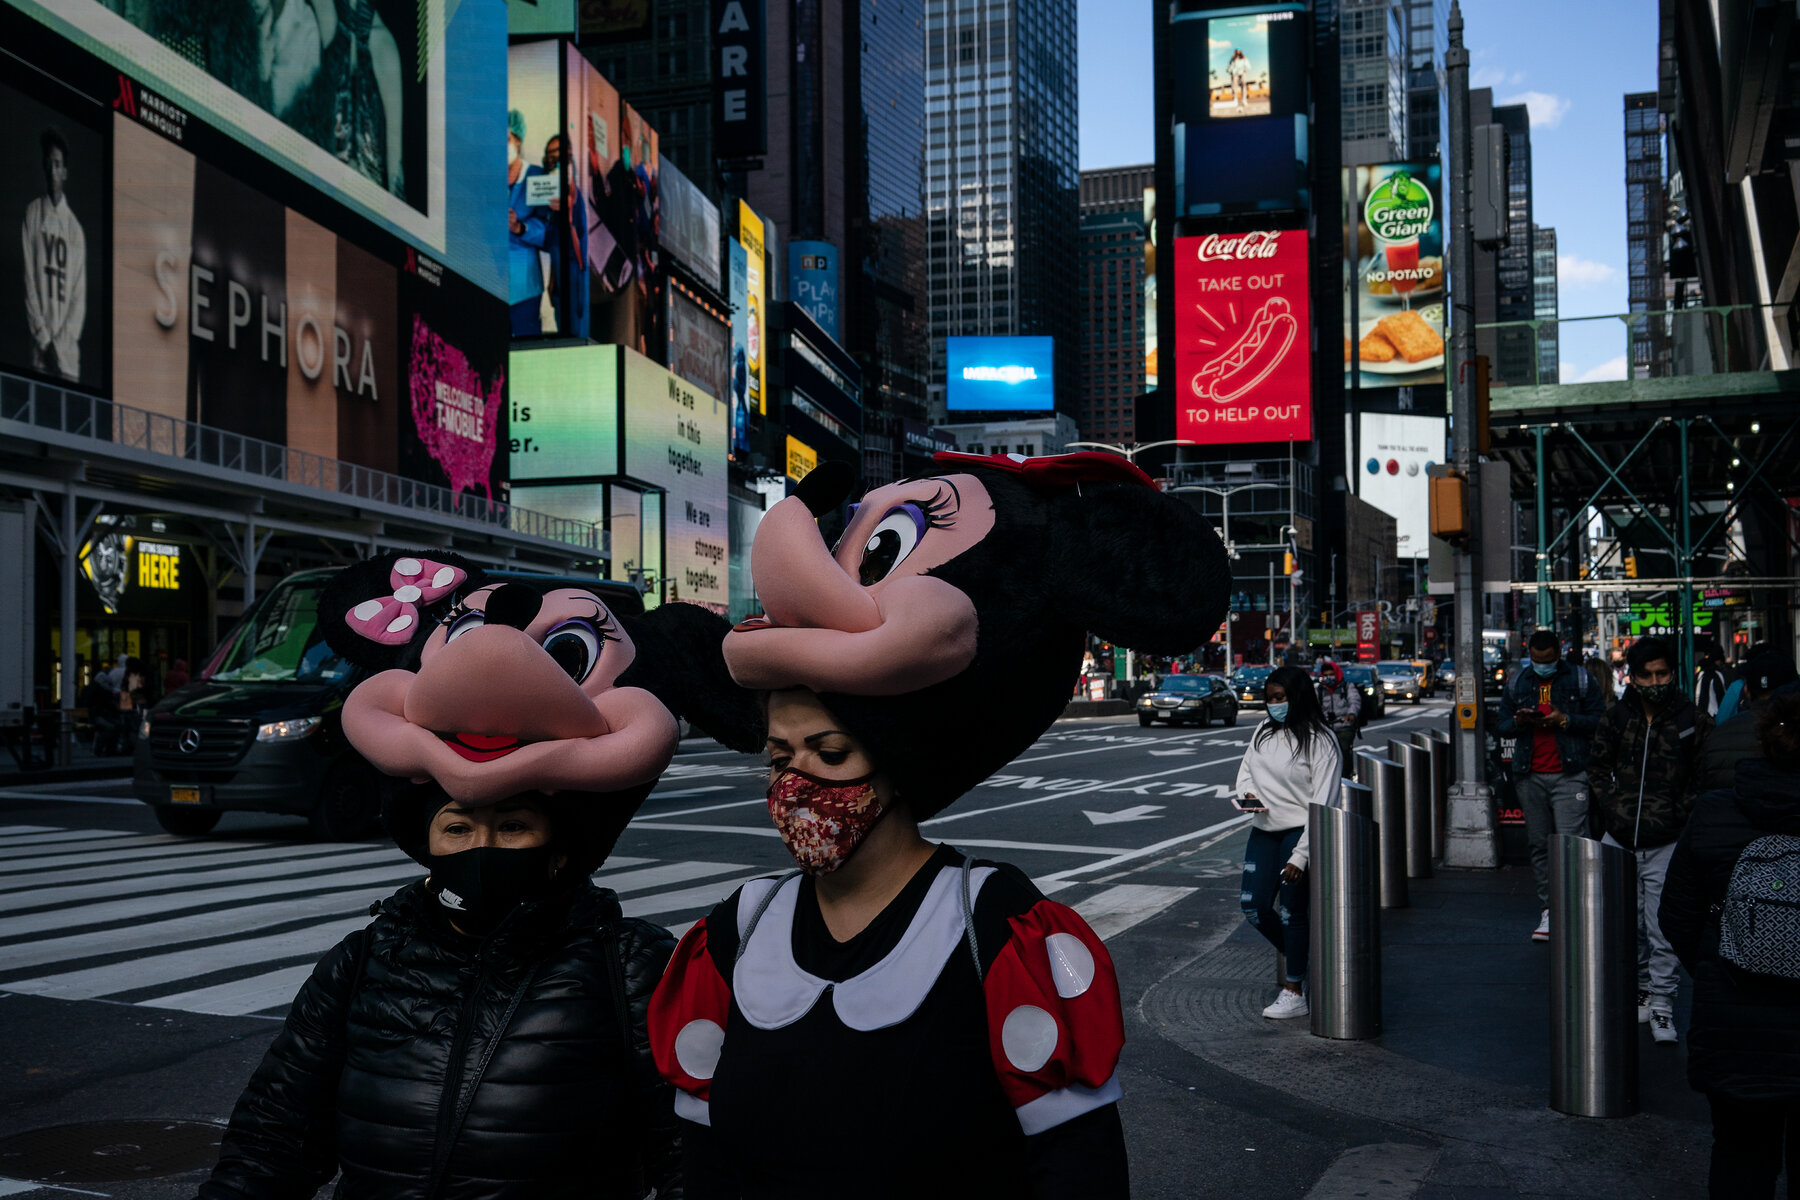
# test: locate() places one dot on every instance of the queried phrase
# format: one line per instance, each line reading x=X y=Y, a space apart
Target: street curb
x=28 y=779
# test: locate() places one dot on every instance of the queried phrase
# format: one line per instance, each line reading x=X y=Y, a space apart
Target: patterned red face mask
x=823 y=820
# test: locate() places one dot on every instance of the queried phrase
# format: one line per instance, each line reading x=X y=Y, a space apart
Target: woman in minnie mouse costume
x=890 y=983
x=484 y=1036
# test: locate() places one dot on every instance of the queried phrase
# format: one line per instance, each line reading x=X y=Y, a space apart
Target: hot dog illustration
x=1261 y=345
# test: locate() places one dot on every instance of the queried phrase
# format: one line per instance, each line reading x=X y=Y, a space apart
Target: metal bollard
x=1416 y=762
x=1593 y=978
x=1345 y=938
x=1386 y=781
x=1438 y=746
x=1358 y=798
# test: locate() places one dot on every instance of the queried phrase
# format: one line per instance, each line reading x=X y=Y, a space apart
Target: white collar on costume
x=773 y=991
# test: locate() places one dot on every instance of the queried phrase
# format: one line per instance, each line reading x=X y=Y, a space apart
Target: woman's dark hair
x=1778 y=731
x=1645 y=651
x=1304 y=719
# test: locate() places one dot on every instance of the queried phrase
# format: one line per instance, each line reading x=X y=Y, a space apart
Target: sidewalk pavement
x=1461 y=1072
x=84 y=765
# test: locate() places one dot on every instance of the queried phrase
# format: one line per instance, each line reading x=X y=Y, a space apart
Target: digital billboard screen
x=1394 y=305
x=564 y=403
x=54 y=304
x=355 y=99
x=1395 y=452
x=1243 y=358
x=675 y=440
x=238 y=313
x=1000 y=374
x=1242 y=65
x=1240 y=111
x=689 y=225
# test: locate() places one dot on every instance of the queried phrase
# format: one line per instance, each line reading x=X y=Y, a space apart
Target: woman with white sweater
x=1291 y=764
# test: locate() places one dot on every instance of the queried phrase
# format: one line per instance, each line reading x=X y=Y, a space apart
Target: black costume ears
x=1139 y=568
x=376 y=613
x=679 y=661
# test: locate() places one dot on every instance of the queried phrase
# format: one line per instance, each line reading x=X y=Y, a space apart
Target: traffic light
x=1287 y=562
x=1631 y=566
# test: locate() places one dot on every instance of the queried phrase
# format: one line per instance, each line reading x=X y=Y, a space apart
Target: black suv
x=259 y=729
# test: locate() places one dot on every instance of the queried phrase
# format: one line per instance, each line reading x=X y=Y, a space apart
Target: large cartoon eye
x=575 y=646
x=893 y=539
x=472 y=619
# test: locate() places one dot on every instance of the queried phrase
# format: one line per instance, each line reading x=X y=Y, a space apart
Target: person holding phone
x=1291 y=764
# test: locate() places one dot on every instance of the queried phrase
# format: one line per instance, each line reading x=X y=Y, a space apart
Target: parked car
x=259 y=728
x=1190 y=699
x=1493 y=671
x=1247 y=686
x=1401 y=681
x=1374 y=699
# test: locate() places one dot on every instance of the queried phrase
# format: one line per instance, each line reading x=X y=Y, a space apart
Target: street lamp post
x=1225 y=494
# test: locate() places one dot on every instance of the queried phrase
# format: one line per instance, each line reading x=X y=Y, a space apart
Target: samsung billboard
x=1000 y=374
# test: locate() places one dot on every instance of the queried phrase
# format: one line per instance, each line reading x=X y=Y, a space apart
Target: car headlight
x=144 y=729
x=288 y=731
x=1190 y=704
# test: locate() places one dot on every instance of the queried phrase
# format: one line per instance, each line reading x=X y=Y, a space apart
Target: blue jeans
x=1279 y=911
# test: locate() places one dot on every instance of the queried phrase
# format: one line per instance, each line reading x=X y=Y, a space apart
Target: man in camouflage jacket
x=1642 y=782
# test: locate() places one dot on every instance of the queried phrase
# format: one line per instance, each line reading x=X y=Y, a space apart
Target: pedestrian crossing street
x=233 y=928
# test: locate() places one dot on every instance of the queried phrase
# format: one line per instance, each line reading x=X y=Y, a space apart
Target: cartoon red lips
x=481 y=747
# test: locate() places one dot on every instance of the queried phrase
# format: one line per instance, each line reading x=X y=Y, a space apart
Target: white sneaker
x=1287 y=1005
x=1644 y=1006
x=1662 y=1024
x=1542 y=932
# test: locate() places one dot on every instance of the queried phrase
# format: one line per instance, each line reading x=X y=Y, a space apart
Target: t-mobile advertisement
x=1243 y=357
x=53 y=293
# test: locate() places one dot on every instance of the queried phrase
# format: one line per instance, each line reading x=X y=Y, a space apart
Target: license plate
x=184 y=795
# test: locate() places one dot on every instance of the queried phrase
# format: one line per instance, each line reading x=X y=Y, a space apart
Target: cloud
x=1490 y=77
x=1612 y=368
x=1547 y=111
x=1576 y=271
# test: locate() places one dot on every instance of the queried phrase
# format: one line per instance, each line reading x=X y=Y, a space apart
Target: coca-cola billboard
x=1243 y=348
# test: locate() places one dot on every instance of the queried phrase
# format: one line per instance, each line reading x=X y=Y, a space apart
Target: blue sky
x=1569 y=61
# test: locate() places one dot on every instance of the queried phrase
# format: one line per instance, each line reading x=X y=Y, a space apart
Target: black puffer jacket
x=429 y=1064
x=1745 y=1040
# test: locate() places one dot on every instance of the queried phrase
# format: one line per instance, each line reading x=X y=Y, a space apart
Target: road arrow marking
x=1166 y=753
x=1140 y=812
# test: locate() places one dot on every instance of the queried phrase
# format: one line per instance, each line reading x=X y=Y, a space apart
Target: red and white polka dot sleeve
x=687 y=1024
x=1055 y=1024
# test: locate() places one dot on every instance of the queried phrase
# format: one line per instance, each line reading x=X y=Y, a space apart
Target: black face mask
x=479 y=887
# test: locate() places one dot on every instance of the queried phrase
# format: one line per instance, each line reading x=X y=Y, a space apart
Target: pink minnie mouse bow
x=393 y=620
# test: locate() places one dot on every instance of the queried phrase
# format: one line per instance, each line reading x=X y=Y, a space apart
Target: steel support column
x=1546 y=611
x=70 y=553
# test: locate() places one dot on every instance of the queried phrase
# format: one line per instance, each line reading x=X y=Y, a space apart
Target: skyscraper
x=668 y=79
x=1427 y=41
x=1515 y=298
x=1001 y=176
x=1372 y=68
x=1113 y=241
x=1543 y=288
x=1644 y=219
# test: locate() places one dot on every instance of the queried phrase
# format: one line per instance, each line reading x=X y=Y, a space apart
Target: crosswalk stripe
x=48 y=845
x=126 y=869
x=193 y=927
x=1120 y=907
x=704 y=896
x=186 y=849
x=93 y=982
x=240 y=997
x=10 y=840
x=144 y=885
x=7 y=830
x=653 y=877
x=140 y=906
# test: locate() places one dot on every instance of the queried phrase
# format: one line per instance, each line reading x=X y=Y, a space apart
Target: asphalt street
x=143 y=975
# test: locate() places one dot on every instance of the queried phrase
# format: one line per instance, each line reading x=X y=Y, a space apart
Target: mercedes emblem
x=188 y=741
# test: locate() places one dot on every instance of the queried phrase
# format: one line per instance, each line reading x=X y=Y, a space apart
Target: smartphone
x=1249 y=804
x=1526 y=716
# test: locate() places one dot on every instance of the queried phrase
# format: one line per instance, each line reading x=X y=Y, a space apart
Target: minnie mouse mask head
x=490 y=689
x=946 y=628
